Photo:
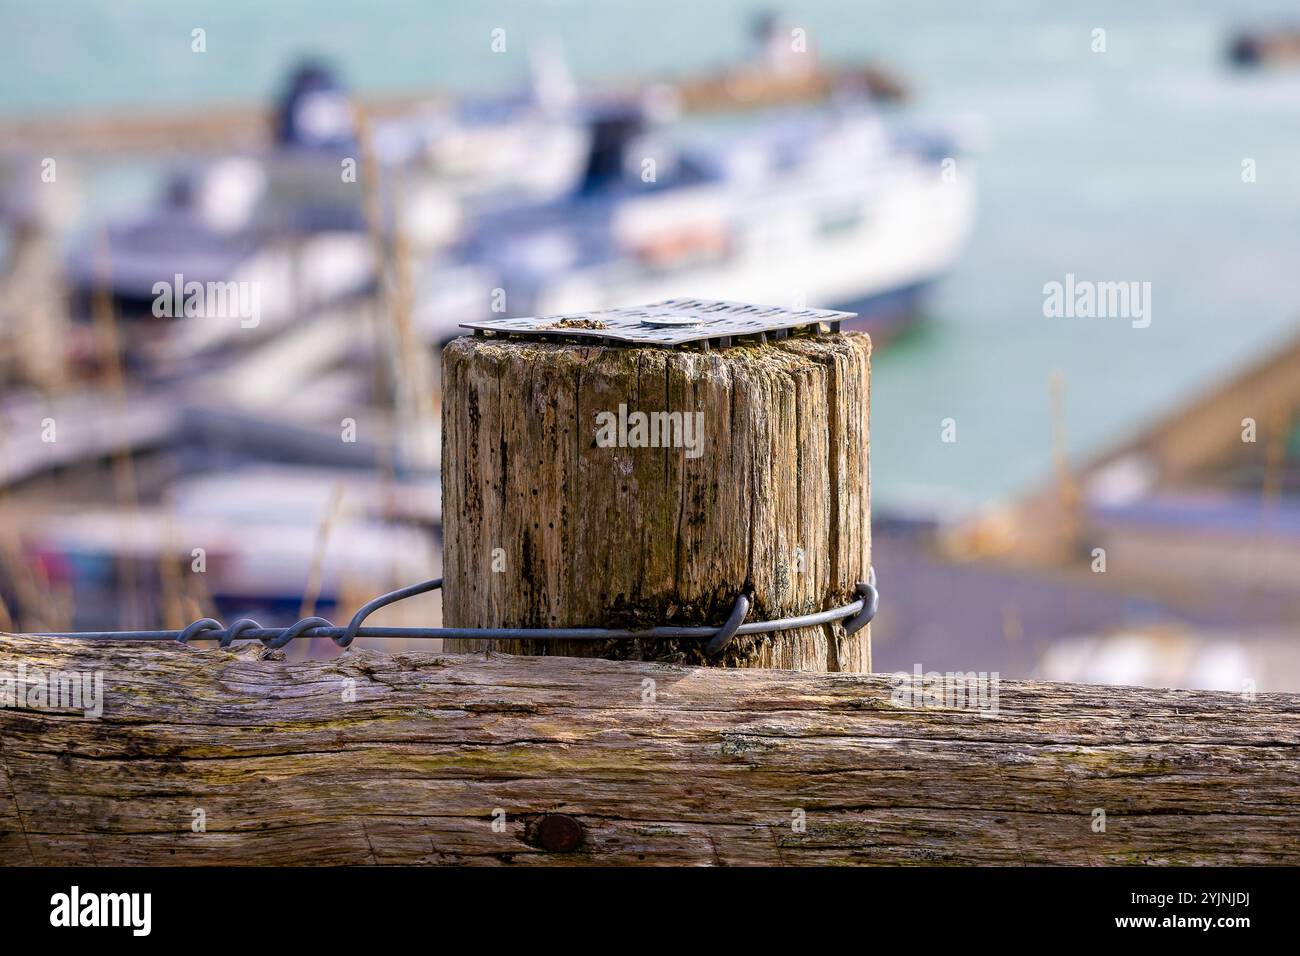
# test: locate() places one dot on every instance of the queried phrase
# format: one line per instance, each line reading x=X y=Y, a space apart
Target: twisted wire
x=855 y=615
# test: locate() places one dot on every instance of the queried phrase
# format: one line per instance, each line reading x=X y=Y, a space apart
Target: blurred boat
x=300 y=223
x=541 y=203
x=186 y=280
x=1242 y=661
x=1255 y=48
x=781 y=71
x=262 y=532
x=839 y=208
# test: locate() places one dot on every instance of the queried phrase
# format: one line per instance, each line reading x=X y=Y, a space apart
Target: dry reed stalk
x=108 y=344
x=315 y=574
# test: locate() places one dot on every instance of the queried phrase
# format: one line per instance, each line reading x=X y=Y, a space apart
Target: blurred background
x=234 y=236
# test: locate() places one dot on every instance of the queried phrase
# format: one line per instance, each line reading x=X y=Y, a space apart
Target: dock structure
x=1209 y=430
x=1215 y=467
x=241 y=127
x=226 y=127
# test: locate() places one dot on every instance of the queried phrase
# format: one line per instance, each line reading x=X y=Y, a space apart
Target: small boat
x=1256 y=48
x=782 y=71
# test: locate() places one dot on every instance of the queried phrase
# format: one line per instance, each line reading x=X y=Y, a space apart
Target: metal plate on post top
x=673 y=322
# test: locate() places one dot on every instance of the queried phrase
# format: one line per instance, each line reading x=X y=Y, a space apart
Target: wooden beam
x=410 y=759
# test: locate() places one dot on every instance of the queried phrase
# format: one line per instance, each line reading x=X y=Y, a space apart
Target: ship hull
x=884 y=315
x=905 y=240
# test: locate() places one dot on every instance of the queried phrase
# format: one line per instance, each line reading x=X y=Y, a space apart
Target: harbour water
x=1123 y=165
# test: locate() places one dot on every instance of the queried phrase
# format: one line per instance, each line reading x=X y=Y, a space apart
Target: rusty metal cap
x=557 y=832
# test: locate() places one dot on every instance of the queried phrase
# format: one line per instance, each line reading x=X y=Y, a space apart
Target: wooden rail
x=206 y=756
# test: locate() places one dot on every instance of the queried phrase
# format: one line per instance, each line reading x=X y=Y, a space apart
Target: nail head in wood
x=558 y=833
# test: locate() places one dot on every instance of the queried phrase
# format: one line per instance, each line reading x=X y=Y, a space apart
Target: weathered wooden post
x=638 y=467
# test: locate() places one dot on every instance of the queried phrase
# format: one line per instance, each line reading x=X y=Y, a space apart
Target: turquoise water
x=1116 y=166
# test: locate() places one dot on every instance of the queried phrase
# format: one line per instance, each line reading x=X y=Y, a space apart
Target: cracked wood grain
x=710 y=772
x=777 y=501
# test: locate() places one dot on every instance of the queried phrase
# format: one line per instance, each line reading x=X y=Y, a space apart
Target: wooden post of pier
x=547 y=525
